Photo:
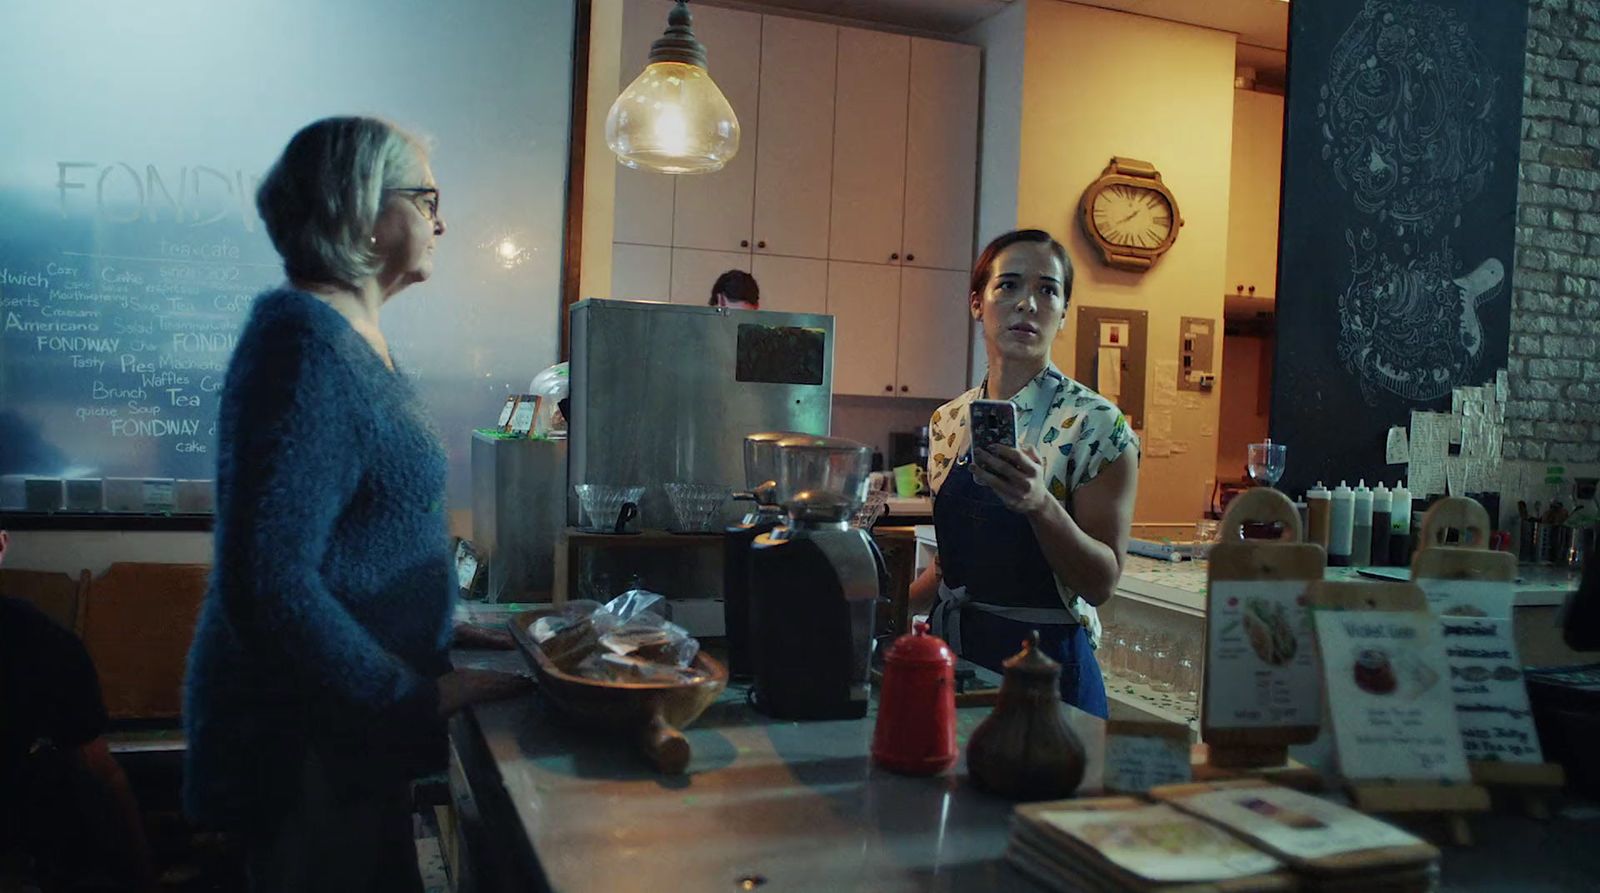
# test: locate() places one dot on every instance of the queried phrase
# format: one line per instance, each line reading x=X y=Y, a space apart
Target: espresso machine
x=761 y=490
x=814 y=586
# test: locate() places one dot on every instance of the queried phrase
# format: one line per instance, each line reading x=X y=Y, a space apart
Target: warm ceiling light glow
x=673 y=118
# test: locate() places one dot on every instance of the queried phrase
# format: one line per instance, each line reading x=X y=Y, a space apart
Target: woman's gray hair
x=320 y=201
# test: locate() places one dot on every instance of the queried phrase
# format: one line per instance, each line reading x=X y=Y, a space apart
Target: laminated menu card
x=1159 y=843
x=1299 y=827
x=1143 y=755
x=1261 y=668
x=1491 y=696
x=1389 y=697
x=522 y=418
x=1468 y=598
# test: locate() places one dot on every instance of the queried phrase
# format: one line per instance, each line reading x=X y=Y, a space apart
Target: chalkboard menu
x=1401 y=147
x=130 y=247
x=118 y=312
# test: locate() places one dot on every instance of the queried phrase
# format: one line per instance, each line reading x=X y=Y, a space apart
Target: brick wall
x=1554 y=371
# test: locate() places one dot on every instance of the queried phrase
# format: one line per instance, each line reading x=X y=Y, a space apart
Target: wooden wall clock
x=1130 y=215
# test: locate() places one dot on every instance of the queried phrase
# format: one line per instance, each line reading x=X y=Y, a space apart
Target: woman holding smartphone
x=1032 y=533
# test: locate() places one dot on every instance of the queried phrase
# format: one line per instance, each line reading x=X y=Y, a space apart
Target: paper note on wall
x=1397 y=451
x=1164 y=384
x=1160 y=425
x=1429 y=443
x=1109 y=377
x=1455 y=475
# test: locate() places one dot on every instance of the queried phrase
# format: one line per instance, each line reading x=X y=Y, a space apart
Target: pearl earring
x=373 y=240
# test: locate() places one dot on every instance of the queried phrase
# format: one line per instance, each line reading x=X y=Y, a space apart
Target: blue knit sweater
x=328 y=615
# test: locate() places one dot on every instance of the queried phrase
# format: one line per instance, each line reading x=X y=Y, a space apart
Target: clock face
x=1130 y=217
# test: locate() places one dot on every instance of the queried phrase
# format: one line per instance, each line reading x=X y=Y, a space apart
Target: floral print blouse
x=1081 y=433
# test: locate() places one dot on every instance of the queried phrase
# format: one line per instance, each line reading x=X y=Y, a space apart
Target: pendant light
x=673 y=118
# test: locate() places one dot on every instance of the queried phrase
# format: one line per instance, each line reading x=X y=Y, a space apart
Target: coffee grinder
x=814 y=586
x=761 y=482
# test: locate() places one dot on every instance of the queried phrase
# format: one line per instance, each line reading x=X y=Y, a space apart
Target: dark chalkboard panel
x=130 y=247
x=1401 y=146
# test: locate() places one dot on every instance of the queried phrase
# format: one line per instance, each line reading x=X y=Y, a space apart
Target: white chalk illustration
x=1406 y=117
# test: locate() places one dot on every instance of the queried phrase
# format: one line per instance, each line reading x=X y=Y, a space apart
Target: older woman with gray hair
x=319 y=676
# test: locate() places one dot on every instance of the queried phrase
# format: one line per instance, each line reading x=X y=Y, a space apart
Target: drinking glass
x=1106 y=653
x=1190 y=668
x=1266 y=461
x=1162 y=654
x=1139 y=657
x=1207 y=532
x=1120 y=650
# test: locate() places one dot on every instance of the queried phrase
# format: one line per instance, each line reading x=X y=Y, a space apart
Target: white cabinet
x=934 y=321
x=853 y=192
x=869 y=146
x=640 y=272
x=713 y=211
x=941 y=155
x=644 y=199
x=1253 y=193
x=899 y=331
x=794 y=159
x=865 y=302
x=791 y=284
x=695 y=271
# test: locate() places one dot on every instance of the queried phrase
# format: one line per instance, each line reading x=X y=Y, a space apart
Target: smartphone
x=993 y=422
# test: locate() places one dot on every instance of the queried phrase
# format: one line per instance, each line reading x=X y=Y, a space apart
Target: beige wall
x=599 y=165
x=1096 y=84
x=1246 y=367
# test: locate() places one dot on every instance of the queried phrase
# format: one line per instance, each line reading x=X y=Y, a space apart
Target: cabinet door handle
x=744 y=243
x=1238 y=289
x=904 y=389
x=1252 y=289
x=895 y=256
x=888 y=389
x=911 y=257
x=761 y=244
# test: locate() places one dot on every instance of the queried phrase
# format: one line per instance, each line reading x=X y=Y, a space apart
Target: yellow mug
x=910 y=480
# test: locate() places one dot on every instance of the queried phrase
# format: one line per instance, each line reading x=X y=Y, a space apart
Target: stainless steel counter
x=799 y=807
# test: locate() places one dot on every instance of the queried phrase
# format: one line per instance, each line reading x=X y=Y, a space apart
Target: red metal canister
x=916 y=729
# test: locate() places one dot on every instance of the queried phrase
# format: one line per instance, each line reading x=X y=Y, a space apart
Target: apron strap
x=944 y=620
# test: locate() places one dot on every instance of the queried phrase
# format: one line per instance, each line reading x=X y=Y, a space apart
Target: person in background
x=66 y=809
x=736 y=290
x=319 y=676
x=1033 y=537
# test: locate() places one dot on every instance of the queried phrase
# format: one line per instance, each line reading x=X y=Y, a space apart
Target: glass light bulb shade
x=674 y=119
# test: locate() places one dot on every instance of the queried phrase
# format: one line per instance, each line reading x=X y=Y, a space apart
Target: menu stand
x=1533 y=783
x=1449 y=802
x=1235 y=749
x=1291 y=773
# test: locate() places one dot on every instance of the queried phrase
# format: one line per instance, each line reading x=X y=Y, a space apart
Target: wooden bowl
x=653 y=712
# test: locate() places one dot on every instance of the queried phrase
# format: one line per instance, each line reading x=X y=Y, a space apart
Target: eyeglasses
x=429 y=205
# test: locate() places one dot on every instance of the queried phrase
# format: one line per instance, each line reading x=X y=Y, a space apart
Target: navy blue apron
x=991 y=560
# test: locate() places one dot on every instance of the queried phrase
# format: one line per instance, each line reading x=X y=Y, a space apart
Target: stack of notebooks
x=1227 y=837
